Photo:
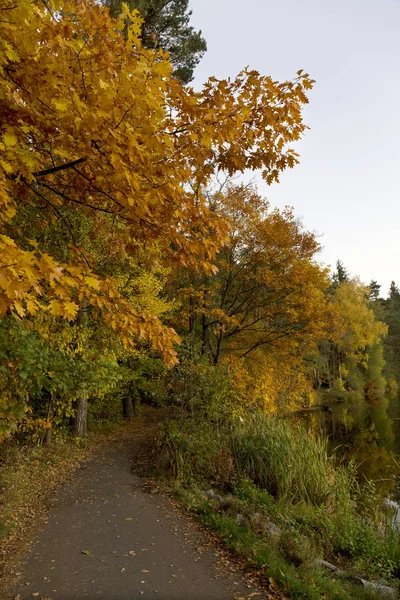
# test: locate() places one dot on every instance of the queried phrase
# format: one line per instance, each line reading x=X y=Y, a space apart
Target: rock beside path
x=379 y=587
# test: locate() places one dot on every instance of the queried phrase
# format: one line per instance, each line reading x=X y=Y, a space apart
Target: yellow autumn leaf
x=28 y=159
x=10 y=139
x=31 y=306
x=70 y=310
x=6 y=166
x=92 y=282
x=61 y=105
x=57 y=308
x=19 y=308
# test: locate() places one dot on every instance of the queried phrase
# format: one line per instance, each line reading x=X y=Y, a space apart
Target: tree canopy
x=105 y=160
x=95 y=123
x=166 y=23
x=268 y=290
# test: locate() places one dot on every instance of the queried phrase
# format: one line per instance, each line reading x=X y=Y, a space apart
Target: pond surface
x=366 y=433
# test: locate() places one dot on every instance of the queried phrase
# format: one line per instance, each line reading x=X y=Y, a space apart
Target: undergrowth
x=286 y=563
x=289 y=504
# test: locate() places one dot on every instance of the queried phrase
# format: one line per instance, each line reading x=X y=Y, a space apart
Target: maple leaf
x=57 y=308
x=92 y=282
x=10 y=139
x=70 y=310
x=19 y=308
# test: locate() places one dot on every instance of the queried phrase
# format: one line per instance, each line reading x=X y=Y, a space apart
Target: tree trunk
x=204 y=334
x=47 y=436
x=80 y=420
x=46 y=440
x=219 y=343
x=128 y=408
x=192 y=316
x=192 y=327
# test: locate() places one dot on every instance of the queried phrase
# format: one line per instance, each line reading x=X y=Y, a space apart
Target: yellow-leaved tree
x=266 y=308
x=95 y=130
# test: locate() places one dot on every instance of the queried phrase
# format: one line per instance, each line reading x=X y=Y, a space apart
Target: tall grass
x=287 y=461
x=294 y=466
x=282 y=471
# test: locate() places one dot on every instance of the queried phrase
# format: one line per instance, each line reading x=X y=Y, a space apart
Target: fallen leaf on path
x=132 y=552
x=122 y=570
x=145 y=571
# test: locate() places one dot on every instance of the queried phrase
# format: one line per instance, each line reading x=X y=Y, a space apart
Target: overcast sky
x=347 y=186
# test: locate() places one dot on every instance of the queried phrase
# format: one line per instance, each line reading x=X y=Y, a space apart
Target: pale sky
x=347 y=186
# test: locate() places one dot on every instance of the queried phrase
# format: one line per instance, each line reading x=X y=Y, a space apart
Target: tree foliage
x=105 y=157
x=96 y=123
x=374 y=290
x=349 y=373
x=268 y=290
x=166 y=23
x=340 y=275
x=113 y=248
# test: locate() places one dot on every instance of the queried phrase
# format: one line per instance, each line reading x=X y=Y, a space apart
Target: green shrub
x=202 y=452
x=204 y=391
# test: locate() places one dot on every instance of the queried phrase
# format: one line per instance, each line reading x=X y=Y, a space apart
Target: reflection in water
x=364 y=432
x=394 y=411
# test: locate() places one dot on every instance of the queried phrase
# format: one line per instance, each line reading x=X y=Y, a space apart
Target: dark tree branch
x=73 y=200
x=69 y=165
x=60 y=216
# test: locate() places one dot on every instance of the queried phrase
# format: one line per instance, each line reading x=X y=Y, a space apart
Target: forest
x=138 y=267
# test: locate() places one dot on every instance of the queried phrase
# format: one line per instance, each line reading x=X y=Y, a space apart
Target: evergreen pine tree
x=374 y=290
x=167 y=24
x=340 y=275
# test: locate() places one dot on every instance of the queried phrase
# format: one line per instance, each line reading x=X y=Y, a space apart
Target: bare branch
x=60 y=216
x=69 y=165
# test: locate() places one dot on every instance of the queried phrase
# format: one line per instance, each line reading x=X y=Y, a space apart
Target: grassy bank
x=288 y=505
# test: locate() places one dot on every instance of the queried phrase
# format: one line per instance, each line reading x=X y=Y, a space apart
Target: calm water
x=370 y=436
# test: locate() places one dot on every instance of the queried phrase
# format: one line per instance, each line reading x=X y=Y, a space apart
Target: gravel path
x=106 y=537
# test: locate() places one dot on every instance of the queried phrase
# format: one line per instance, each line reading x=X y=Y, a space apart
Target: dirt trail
x=109 y=536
